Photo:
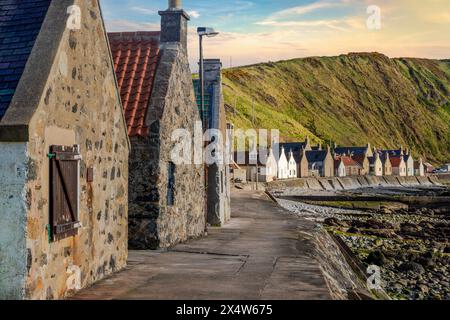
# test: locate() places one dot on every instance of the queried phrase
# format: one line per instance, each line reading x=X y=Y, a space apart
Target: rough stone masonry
x=67 y=95
x=155 y=221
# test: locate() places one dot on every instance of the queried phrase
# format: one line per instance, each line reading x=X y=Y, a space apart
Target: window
x=64 y=192
x=171 y=184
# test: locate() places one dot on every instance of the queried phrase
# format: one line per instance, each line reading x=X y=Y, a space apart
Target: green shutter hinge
x=49 y=233
x=51 y=155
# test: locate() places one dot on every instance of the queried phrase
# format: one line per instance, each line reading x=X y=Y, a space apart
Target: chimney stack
x=174 y=4
x=174 y=24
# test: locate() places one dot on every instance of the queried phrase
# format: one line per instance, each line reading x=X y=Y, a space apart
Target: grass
x=351 y=99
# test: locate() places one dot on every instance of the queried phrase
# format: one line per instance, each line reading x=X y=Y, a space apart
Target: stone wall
x=154 y=224
x=13 y=219
x=302 y=185
x=219 y=209
x=79 y=105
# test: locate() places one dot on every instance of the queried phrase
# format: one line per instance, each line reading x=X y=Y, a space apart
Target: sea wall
x=296 y=186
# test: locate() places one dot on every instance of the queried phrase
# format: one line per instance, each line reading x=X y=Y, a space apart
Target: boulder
x=377 y=258
x=412 y=267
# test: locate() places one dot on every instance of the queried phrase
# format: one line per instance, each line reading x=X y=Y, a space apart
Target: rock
x=377 y=258
x=424 y=289
x=427 y=259
x=334 y=222
x=386 y=233
x=412 y=266
x=378 y=242
x=353 y=230
x=447 y=249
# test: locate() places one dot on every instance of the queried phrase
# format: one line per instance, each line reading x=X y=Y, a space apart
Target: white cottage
x=283 y=166
x=292 y=166
x=409 y=161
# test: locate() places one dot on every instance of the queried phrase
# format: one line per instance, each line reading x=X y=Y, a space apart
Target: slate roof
x=135 y=56
x=316 y=156
x=350 y=150
x=20 y=23
x=295 y=147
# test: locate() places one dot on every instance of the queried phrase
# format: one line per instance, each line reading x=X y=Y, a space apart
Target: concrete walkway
x=262 y=254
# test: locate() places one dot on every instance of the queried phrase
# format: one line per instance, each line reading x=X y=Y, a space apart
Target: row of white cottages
x=299 y=160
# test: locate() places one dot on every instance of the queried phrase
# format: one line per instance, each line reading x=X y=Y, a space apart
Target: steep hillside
x=351 y=99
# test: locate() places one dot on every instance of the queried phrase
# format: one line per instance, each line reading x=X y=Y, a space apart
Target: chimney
x=213 y=70
x=174 y=24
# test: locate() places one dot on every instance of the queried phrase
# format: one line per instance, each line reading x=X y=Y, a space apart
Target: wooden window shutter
x=64 y=191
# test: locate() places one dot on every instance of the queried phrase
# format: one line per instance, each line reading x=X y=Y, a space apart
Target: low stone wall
x=295 y=186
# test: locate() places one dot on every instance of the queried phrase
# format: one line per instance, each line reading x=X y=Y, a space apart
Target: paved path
x=262 y=254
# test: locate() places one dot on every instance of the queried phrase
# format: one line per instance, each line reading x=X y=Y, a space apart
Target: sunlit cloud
x=194 y=14
x=143 y=10
x=257 y=31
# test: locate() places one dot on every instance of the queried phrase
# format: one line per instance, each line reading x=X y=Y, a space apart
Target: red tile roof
x=395 y=161
x=348 y=162
x=135 y=56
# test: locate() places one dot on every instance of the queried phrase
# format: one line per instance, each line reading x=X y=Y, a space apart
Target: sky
x=253 y=31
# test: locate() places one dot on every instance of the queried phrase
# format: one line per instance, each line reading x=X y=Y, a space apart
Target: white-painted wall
x=13 y=219
x=292 y=166
x=340 y=171
x=283 y=168
x=410 y=166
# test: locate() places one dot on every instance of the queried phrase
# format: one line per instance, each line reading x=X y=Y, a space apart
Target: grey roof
x=295 y=147
x=20 y=23
x=350 y=150
x=316 y=155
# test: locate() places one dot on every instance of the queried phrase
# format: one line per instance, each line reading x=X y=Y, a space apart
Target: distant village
x=87 y=169
x=301 y=160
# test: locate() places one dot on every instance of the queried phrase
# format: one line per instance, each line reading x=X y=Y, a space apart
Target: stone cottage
x=166 y=199
x=353 y=151
x=351 y=167
x=63 y=148
x=387 y=166
x=302 y=163
x=298 y=150
x=267 y=168
x=419 y=168
x=320 y=162
x=214 y=117
x=398 y=166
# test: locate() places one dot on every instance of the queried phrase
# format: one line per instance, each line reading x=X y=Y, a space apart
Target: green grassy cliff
x=351 y=99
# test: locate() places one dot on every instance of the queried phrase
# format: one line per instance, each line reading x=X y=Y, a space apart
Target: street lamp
x=202 y=32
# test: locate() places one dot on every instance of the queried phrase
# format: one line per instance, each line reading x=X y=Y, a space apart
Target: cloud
x=119 y=25
x=286 y=17
x=301 y=10
x=194 y=14
x=143 y=10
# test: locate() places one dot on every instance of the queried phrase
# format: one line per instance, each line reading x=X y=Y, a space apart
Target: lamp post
x=202 y=32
